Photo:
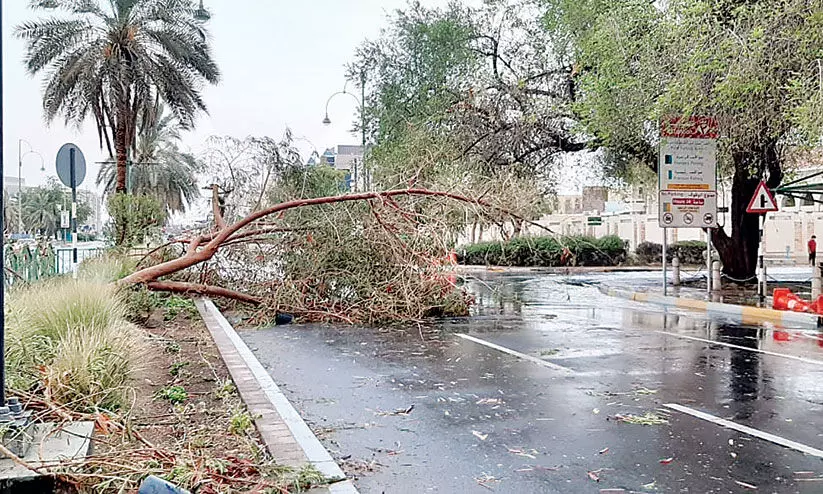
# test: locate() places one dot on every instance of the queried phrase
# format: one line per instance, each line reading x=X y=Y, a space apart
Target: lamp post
x=201 y=14
x=327 y=120
x=20 y=156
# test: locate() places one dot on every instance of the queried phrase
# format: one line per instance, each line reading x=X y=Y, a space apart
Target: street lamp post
x=360 y=101
x=20 y=156
x=201 y=14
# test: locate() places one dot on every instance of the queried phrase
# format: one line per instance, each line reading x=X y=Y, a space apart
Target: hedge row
x=547 y=251
x=689 y=252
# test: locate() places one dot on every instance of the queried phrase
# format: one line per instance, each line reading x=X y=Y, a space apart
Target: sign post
x=762 y=202
x=687 y=176
x=71 y=168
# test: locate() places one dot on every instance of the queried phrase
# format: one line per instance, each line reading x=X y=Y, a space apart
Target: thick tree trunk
x=738 y=251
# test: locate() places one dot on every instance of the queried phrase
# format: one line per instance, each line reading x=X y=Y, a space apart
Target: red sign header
x=690 y=128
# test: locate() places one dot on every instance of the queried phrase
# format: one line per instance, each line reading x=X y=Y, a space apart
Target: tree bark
x=121 y=147
x=215 y=291
x=738 y=251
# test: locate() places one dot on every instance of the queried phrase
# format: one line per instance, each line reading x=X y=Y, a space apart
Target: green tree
x=161 y=169
x=754 y=65
x=485 y=80
x=115 y=60
x=42 y=206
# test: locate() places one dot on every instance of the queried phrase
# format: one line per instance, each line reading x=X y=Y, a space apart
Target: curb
x=744 y=314
x=287 y=437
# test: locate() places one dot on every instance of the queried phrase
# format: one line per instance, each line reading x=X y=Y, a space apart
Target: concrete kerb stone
x=742 y=313
x=265 y=400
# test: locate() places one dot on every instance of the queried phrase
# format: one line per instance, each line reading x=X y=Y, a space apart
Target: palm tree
x=116 y=62
x=42 y=205
x=161 y=169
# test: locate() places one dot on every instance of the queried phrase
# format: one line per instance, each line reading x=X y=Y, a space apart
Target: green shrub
x=70 y=338
x=688 y=251
x=176 y=394
x=547 y=251
x=134 y=218
x=649 y=253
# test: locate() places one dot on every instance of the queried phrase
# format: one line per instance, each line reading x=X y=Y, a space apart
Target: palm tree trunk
x=121 y=149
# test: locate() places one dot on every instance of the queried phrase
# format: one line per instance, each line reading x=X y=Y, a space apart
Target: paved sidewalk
x=286 y=436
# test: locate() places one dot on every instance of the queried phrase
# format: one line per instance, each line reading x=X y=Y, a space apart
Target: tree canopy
x=114 y=61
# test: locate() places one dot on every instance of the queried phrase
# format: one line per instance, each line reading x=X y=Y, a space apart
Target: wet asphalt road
x=484 y=419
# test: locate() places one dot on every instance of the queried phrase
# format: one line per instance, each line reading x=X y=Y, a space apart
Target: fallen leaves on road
x=489 y=401
x=745 y=485
x=649 y=418
x=519 y=452
x=595 y=474
x=666 y=461
x=651 y=486
x=480 y=435
x=486 y=479
x=603 y=451
x=399 y=411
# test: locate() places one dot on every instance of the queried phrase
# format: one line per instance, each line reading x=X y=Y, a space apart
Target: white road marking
x=740 y=347
x=517 y=354
x=786 y=443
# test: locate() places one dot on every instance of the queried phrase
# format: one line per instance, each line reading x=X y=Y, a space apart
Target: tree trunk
x=738 y=251
x=121 y=150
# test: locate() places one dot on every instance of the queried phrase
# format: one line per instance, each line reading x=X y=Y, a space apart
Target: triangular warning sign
x=763 y=200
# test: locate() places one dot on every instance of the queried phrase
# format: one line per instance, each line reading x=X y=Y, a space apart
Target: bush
x=688 y=251
x=547 y=251
x=134 y=218
x=649 y=253
x=70 y=339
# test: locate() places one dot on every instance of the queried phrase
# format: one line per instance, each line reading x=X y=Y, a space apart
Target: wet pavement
x=537 y=400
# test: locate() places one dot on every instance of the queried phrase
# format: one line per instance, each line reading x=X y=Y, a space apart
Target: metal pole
x=761 y=265
x=709 y=260
x=73 y=211
x=20 y=185
x=2 y=248
x=665 y=248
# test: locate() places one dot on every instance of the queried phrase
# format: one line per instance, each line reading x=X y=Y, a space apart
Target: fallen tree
x=362 y=257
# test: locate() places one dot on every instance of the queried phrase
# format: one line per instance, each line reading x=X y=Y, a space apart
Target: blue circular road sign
x=63 y=162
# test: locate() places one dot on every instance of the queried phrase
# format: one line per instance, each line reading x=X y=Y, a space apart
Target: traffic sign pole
x=665 y=245
x=761 y=265
x=73 y=170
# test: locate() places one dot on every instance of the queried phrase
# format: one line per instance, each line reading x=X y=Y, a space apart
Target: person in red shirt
x=812 y=250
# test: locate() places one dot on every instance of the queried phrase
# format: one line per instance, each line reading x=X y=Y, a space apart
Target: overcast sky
x=280 y=61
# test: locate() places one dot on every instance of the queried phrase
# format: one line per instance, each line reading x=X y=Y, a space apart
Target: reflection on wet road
x=487 y=414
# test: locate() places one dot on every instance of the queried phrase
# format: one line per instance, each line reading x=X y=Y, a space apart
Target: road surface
x=536 y=393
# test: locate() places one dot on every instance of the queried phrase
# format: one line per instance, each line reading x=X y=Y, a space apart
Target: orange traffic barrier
x=781 y=336
x=784 y=299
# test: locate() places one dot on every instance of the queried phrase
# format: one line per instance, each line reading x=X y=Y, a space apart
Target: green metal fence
x=29 y=264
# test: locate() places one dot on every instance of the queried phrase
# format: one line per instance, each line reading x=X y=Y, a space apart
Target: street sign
x=688 y=173
x=63 y=163
x=595 y=220
x=763 y=200
x=65 y=220
x=683 y=209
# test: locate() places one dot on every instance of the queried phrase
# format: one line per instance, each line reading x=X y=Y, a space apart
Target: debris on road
x=519 y=452
x=745 y=485
x=666 y=461
x=480 y=435
x=486 y=479
x=603 y=451
x=489 y=401
x=595 y=474
x=649 y=418
x=398 y=412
